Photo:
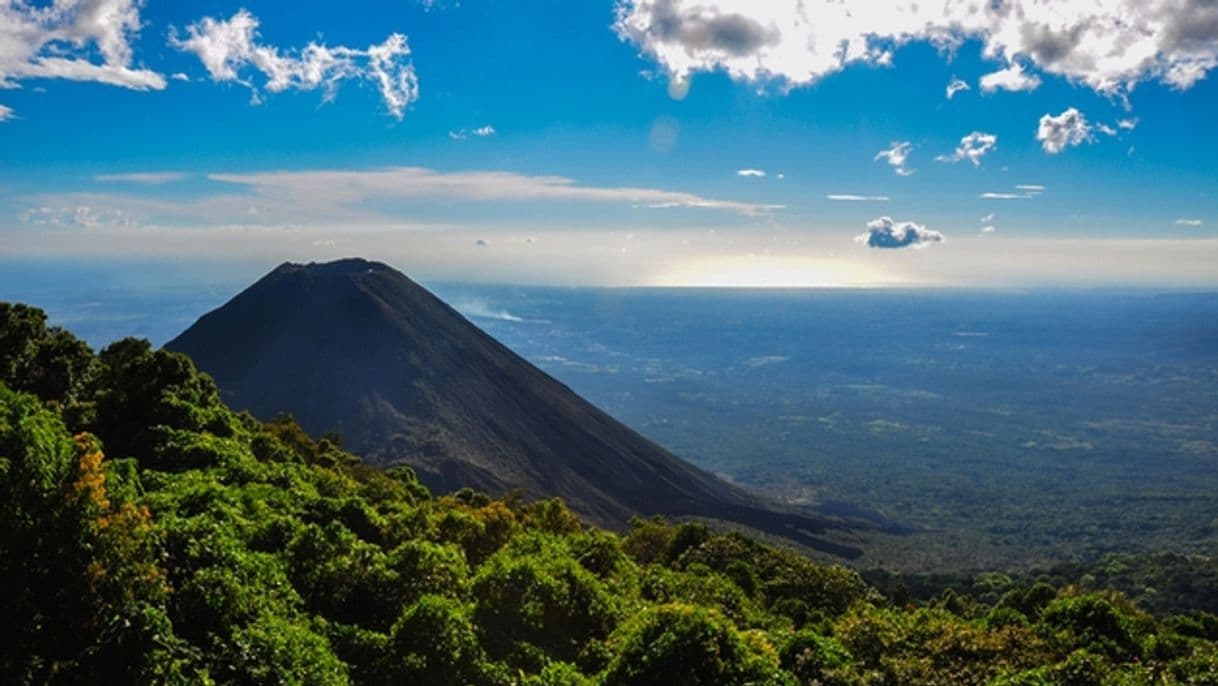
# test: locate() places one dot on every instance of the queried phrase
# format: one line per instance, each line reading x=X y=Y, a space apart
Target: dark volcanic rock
x=357 y=348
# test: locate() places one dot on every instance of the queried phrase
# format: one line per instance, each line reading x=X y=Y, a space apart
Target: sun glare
x=765 y=271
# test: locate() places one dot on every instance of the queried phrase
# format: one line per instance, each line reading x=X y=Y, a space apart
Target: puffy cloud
x=1013 y=78
x=897 y=155
x=847 y=197
x=74 y=40
x=972 y=148
x=1127 y=124
x=6 y=113
x=1068 y=129
x=989 y=228
x=886 y=233
x=756 y=173
x=955 y=86
x=988 y=218
x=1189 y=222
x=229 y=49
x=1109 y=46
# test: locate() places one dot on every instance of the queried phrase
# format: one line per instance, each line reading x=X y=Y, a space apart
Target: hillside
x=357 y=349
x=150 y=535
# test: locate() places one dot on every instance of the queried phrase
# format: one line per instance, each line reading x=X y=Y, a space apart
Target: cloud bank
x=1108 y=46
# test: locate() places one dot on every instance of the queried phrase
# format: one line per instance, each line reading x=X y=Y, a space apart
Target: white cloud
x=82 y=215
x=229 y=50
x=1006 y=196
x=1127 y=124
x=1189 y=222
x=988 y=218
x=756 y=173
x=886 y=233
x=896 y=156
x=141 y=177
x=480 y=132
x=988 y=229
x=74 y=40
x=857 y=198
x=341 y=187
x=1109 y=46
x=1030 y=188
x=1013 y=78
x=179 y=76
x=352 y=202
x=1068 y=129
x=972 y=147
x=6 y=113
x=955 y=86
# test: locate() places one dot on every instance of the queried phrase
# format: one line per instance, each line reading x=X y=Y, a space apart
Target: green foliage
x=815 y=659
x=434 y=642
x=534 y=596
x=48 y=362
x=684 y=645
x=1093 y=623
x=208 y=547
x=143 y=391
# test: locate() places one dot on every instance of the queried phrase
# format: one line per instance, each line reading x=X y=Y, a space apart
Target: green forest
x=149 y=534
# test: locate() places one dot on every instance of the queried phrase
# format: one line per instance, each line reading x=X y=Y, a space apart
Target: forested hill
x=357 y=348
x=149 y=534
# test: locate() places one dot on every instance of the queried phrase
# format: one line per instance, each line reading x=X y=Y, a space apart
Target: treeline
x=1163 y=584
x=148 y=534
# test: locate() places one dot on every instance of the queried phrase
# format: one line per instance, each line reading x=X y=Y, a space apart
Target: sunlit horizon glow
x=769 y=271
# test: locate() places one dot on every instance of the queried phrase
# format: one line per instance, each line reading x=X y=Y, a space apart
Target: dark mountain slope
x=358 y=348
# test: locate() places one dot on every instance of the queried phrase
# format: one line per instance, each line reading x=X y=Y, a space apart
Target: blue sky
x=612 y=139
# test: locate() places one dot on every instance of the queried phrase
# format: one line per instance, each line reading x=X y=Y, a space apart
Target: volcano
x=356 y=348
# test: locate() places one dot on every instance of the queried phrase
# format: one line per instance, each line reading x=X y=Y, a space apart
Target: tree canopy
x=148 y=534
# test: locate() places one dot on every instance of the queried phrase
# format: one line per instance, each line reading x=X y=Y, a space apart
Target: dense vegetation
x=151 y=535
